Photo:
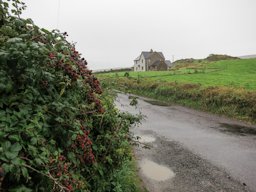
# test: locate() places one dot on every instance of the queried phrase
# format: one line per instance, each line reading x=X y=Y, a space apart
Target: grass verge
x=127 y=179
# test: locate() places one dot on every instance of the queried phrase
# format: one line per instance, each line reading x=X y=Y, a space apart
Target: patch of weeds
x=126 y=178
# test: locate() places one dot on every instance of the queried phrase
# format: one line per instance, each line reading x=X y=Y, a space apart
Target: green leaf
x=16 y=147
x=32 y=150
x=72 y=156
x=4 y=54
x=2 y=134
x=62 y=91
x=24 y=172
x=34 y=45
x=14 y=137
x=14 y=40
x=11 y=155
x=17 y=161
x=60 y=56
x=19 y=22
x=73 y=137
x=59 y=119
x=3 y=158
x=33 y=141
x=101 y=172
x=109 y=160
x=46 y=31
x=6 y=145
x=94 y=147
x=38 y=161
x=7 y=167
x=24 y=35
x=52 y=142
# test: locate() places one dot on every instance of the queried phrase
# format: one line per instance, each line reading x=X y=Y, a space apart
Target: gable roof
x=161 y=54
x=147 y=54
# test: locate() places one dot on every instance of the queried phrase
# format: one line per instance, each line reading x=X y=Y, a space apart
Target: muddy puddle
x=155 y=171
x=146 y=138
x=238 y=129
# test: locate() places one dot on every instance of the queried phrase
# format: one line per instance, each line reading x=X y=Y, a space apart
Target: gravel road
x=195 y=151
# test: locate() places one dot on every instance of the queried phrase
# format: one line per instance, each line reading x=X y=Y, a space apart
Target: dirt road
x=192 y=151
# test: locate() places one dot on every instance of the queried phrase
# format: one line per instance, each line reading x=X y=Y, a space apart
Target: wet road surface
x=204 y=151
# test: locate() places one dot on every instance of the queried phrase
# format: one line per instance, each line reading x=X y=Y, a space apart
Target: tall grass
x=126 y=178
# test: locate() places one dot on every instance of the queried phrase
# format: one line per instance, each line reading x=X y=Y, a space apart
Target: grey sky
x=111 y=33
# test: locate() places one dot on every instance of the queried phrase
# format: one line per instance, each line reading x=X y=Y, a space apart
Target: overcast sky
x=112 y=33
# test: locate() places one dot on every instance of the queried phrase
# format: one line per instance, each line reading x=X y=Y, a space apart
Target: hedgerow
x=59 y=132
x=233 y=102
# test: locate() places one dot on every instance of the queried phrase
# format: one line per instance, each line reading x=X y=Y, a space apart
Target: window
x=141 y=68
x=142 y=61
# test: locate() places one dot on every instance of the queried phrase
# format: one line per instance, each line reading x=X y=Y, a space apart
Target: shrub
x=216 y=57
x=126 y=74
x=58 y=131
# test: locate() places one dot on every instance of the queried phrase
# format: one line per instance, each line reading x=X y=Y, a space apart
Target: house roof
x=147 y=54
x=161 y=54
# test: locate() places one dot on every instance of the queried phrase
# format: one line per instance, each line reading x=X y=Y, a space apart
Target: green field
x=230 y=73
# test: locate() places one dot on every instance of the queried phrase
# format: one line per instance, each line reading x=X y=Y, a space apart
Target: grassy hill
x=238 y=73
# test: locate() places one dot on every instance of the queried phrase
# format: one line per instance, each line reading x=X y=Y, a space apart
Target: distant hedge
x=216 y=57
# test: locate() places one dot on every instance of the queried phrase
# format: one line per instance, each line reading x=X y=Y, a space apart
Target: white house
x=151 y=61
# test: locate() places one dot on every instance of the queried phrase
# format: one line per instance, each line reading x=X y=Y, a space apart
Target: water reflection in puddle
x=155 y=171
x=146 y=138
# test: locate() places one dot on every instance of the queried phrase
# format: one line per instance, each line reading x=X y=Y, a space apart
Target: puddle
x=159 y=103
x=238 y=129
x=146 y=138
x=155 y=171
